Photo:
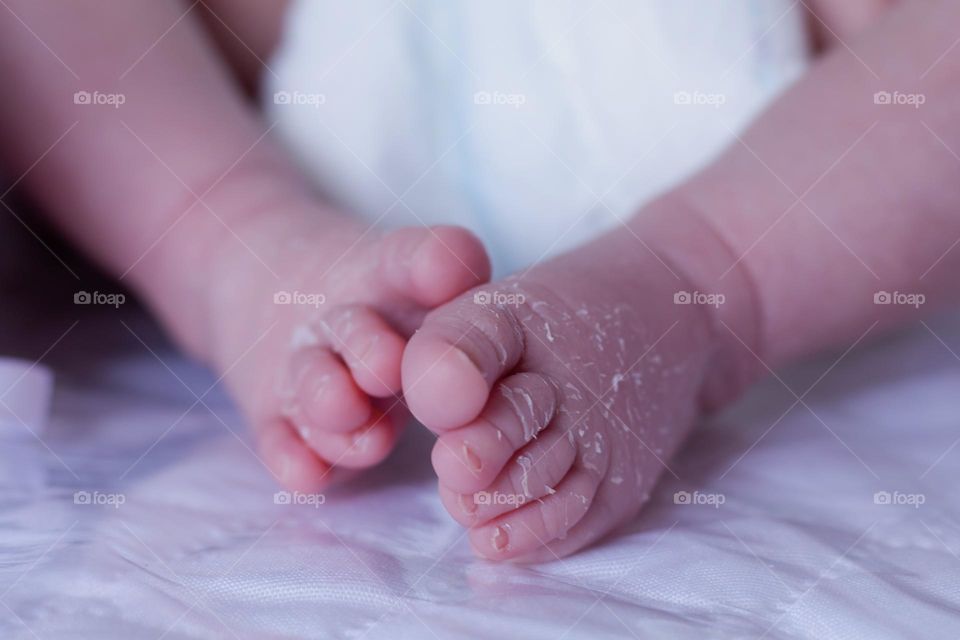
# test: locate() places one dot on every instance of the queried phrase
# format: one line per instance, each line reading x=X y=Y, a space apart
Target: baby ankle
x=692 y=241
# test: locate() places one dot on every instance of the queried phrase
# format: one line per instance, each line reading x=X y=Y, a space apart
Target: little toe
x=369 y=347
x=434 y=264
x=532 y=475
x=600 y=520
x=324 y=396
x=470 y=458
x=532 y=526
x=458 y=355
x=286 y=456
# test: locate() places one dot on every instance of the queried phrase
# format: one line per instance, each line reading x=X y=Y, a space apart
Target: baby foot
x=309 y=323
x=559 y=395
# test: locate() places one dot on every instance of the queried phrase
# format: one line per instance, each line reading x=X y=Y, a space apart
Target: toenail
x=500 y=540
x=468 y=504
x=460 y=353
x=472 y=459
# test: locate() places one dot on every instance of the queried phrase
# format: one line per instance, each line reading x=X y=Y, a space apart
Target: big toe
x=454 y=360
x=433 y=265
x=445 y=386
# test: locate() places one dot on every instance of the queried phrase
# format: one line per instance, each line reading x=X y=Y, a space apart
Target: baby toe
x=362 y=447
x=468 y=459
x=324 y=396
x=454 y=360
x=532 y=526
x=600 y=519
x=532 y=475
x=369 y=347
x=433 y=265
x=289 y=460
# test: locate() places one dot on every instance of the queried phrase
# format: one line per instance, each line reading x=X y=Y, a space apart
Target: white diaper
x=537 y=124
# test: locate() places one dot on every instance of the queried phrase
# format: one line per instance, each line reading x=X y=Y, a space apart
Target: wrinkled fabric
x=181 y=536
x=144 y=512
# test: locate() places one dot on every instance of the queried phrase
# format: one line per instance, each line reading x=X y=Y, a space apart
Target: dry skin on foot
x=556 y=411
x=322 y=387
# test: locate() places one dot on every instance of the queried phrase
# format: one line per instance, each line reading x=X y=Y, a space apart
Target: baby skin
x=315 y=363
x=303 y=312
x=560 y=394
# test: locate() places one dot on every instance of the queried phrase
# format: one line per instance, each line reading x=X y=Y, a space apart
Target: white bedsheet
x=199 y=549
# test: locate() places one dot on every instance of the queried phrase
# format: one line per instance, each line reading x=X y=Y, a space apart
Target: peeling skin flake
x=302 y=337
x=524 y=413
x=526 y=464
x=617 y=379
